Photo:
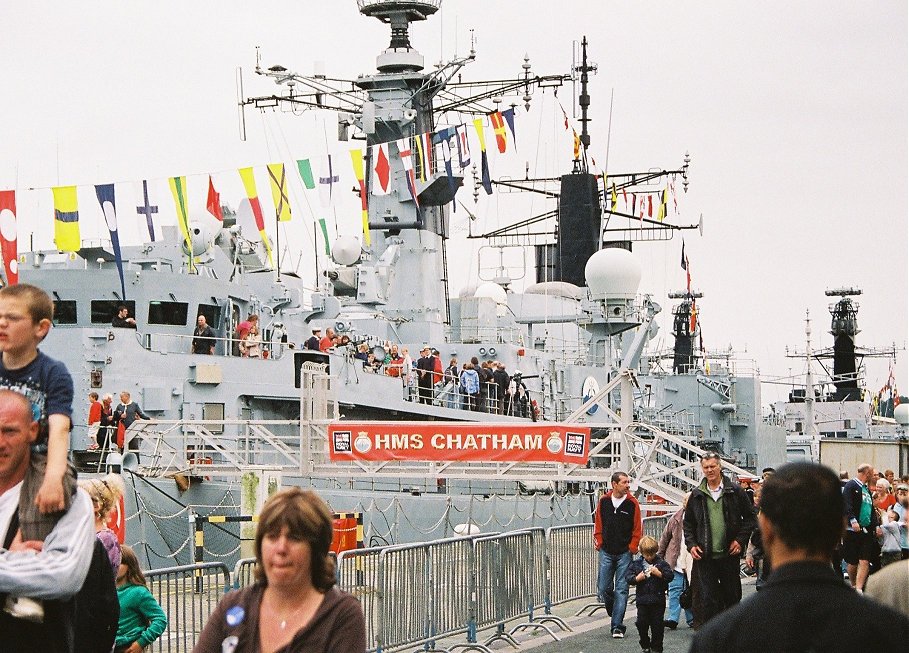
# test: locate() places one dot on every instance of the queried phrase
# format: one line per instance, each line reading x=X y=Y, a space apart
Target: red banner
x=459 y=441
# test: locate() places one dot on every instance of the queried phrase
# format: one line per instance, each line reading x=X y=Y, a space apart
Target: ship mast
x=810 y=424
x=407 y=229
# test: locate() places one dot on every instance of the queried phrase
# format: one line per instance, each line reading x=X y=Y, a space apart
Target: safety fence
x=417 y=594
x=188 y=594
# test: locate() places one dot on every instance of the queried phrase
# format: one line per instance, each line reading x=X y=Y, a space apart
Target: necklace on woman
x=287 y=617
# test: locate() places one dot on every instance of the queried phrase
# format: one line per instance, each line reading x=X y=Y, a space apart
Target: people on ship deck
x=122 y=320
x=312 y=343
x=203 y=337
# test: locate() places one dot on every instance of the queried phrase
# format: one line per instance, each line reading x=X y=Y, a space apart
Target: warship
x=836 y=404
x=578 y=344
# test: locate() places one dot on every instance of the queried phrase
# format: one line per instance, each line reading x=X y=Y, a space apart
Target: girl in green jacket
x=141 y=618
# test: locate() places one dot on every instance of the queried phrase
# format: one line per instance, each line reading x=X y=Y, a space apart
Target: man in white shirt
x=51 y=571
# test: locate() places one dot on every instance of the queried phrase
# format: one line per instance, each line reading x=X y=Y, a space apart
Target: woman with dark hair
x=294 y=605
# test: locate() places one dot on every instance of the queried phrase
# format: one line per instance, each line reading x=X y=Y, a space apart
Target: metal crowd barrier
x=244 y=573
x=188 y=595
x=404 y=596
x=573 y=564
x=358 y=574
x=451 y=568
x=415 y=595
x=654 y=526
x=505 y=581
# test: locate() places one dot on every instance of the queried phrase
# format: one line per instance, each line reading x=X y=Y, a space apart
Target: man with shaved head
x=51 y=571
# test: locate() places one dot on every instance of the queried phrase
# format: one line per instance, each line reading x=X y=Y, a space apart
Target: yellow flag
x=661 y=214
x=478 y=125
x=356 y=159
x=66 y=219
x=279 y=191
x=178 y=189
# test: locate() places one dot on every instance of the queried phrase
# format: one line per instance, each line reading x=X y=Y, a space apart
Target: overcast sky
x=795 y=115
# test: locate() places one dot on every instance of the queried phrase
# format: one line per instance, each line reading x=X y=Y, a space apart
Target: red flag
x=8 y=237
x=694 y=317
x=214 y=201
x=650 y=206
x=498 y=126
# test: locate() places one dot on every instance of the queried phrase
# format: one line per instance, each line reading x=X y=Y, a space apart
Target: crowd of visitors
x=799 y=528
x=473 y=385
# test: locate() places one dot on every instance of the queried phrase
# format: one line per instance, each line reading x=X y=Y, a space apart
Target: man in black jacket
x=718 y=522
x=804 y=605
x=862 y=526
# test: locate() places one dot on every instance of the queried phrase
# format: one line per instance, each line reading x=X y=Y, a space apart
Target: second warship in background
x=227 y=426
x=834 y=409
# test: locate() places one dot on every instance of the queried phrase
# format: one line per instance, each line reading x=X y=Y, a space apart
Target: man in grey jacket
x=51 y=571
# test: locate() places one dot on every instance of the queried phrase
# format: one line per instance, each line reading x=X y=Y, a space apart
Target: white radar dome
x=901 y=414
x=345 y=250
x=493 y=291
x=613 y=272
x=202 y=234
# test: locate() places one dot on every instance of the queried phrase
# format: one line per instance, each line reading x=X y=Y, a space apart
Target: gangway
x=660 y=464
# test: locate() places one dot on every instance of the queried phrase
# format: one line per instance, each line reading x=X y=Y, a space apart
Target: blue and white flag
x=105 y=194
x=147 y=209
x=444 y=136
x=463 y=146
x=327 y=180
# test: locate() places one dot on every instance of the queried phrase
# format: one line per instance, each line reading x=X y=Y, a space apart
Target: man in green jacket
x=718 y=521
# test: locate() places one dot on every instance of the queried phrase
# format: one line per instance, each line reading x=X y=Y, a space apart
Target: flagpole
x=278 y=242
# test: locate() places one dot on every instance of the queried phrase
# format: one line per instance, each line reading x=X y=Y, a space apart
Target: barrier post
x=199 y=550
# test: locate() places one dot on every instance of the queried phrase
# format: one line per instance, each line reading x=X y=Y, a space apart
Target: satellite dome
x=901 y=414
x=345 y=250
x=493 y=291
x=613 y=272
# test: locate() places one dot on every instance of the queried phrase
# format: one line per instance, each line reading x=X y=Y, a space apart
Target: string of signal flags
x=416 y=154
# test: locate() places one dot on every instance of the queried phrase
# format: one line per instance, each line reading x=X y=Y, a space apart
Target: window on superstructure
x=212 y=313
x=169 y=313
x=104 y=310
x=65 y=312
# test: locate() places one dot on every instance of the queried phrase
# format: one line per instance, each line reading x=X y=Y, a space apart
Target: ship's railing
x=448 y=394
x=213 y=447
x=181 y=343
